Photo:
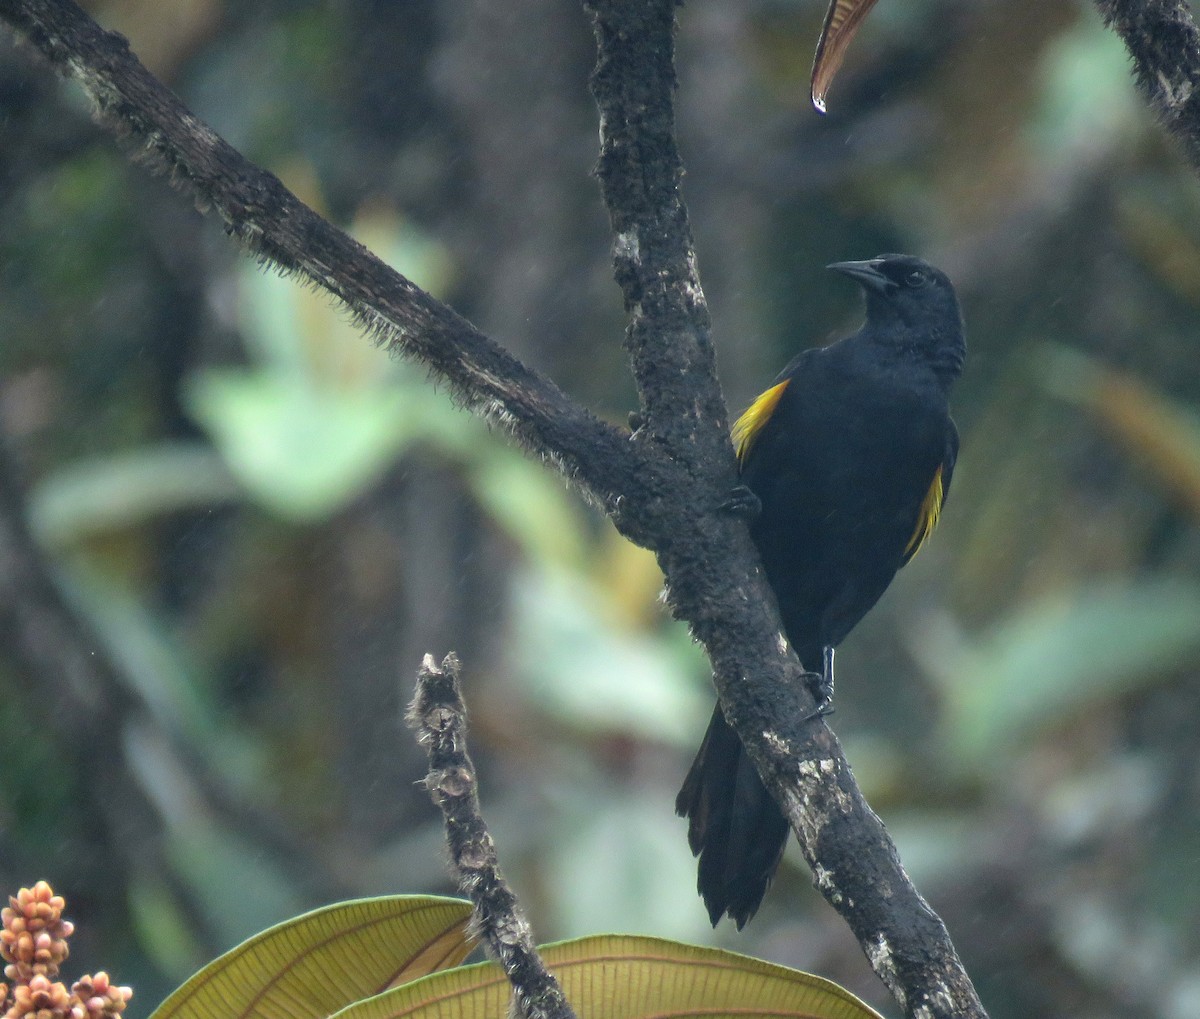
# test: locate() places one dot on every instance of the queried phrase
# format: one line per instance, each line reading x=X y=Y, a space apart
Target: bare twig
x=439 y=717
x=1164 y=42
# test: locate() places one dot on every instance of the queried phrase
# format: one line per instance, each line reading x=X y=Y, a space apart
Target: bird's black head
x=913 y=306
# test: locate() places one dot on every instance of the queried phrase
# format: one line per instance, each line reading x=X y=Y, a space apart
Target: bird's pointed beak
x=866 y=273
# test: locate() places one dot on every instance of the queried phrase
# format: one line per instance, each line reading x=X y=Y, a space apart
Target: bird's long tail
x=734 y=825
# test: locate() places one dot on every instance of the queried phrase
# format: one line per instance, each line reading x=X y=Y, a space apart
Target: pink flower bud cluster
x=33 y=944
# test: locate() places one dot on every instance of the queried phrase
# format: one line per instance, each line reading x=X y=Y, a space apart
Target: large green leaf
x=622 y=977
x=317 y=963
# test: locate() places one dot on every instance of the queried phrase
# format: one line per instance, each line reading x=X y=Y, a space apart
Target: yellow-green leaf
x=624 y=977
x=318 y=963
x=842 y=21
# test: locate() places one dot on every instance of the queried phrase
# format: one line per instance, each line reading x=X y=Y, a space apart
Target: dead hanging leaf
x=841 y=23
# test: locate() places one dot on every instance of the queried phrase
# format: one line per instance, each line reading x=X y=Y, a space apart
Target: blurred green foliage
x=265 y=522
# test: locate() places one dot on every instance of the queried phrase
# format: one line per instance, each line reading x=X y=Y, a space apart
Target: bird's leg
x=741 y=502
x=821 y=685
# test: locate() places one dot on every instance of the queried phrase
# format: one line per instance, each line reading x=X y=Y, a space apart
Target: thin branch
x=1162 y=38
x=439 y=717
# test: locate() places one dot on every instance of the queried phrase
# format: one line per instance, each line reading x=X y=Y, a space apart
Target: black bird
x=850 y=455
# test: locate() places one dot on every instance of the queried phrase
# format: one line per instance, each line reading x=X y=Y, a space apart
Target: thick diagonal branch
x=1162 y=38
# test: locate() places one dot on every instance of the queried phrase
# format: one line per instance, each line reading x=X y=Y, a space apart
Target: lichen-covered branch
x=1162 y=38
x=439 y=717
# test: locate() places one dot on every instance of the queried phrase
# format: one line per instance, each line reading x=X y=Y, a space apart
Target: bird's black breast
x=842 y=468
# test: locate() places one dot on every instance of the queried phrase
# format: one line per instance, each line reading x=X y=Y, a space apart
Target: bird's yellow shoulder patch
x=746 y=428
x=927 y=516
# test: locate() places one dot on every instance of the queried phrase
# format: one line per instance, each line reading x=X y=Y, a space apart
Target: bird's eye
x=916 y=278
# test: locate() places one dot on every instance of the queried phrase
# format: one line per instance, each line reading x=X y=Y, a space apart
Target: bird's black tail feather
x=734 y=825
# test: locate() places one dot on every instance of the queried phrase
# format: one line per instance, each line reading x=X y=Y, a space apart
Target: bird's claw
x=823 y=710
x=820 y=685
x=822 y=693
x=741 y=502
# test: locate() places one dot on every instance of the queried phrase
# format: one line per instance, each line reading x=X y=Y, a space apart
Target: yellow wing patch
x=927 y=516
x=746 y=428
